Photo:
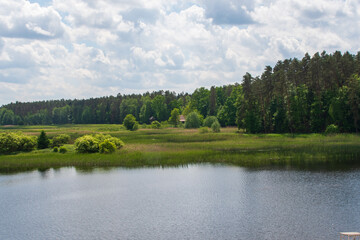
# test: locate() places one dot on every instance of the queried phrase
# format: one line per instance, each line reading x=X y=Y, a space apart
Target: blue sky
x=80 y=49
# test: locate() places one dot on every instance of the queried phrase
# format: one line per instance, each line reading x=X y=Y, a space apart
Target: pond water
x=191 y=202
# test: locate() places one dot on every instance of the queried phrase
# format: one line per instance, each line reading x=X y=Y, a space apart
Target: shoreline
x=174 y=147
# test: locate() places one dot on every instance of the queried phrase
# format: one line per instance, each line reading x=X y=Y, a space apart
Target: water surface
x=192 y=202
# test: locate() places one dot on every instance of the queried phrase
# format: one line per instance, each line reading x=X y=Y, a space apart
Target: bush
x=129 y=122
x=204 y=130
x=215 y=126
x=209 y=121
x=87 y=144
x=118 y=143
x=135 y=126
x=12 y=142
x=107 y=146
x=155 y=125
x=100 y=137
x=9 y=142
x=91 y=143
x=27 y=143
x=60 y=140
x=43 y=141
x=55 y=149
x=332 y=129
x=193 y=120
x=62 y=149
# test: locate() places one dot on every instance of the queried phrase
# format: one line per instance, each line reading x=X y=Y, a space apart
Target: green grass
x=171 y=147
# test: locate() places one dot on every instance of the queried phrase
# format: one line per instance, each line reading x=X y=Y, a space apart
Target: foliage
x=116 y=141
x=203 y=130
x=129 y=122
x=55 y=149
x=187 y=109
x=87 y=144
x=92 y=143
x=62 y=149
x=43 y=141
x=60 y=140
x=200 y=100
x=7 y=117
x=129 y=106
x=159 y=107
x=221 y=116
x=62 y=115
x=193 y=120
x=155 y=125
x=175 y=117
x=215 y=127
x=175 y=147
x=145 y=110
x=13 y=142
x=209 y=120
x=107 y=146
x=135 y=126
x=332 y=129
x=294 y=96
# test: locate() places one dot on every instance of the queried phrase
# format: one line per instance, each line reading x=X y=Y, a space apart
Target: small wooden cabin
x=182 y=119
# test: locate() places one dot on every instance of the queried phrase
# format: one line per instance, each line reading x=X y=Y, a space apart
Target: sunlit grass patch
x=177 y=146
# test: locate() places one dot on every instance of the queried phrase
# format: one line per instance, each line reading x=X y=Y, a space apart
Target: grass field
x=173 y=147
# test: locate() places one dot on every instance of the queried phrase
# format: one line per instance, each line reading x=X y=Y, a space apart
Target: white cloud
x=21 y=19
x=78 y=48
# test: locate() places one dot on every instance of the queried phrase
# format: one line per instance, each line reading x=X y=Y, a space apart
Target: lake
x=190 y=202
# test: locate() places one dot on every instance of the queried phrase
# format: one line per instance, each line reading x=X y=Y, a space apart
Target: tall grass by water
x=172 y=147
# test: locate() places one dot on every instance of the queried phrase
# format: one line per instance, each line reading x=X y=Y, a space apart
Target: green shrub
x=215 y=126
x=60 y=140
x=204 y=130
x=55 y=149
x=135 y=126
x=332 y=129
x=209 y=121
x=27 y=143
x=87 y=144
x=118 y=143
x=129 y=122
x=107 y=146
x=43 y=141
x=13 y=142
x=101 y=137
x=62 y=149
x=193 y=120
x=9 y=142
x=155 y=125
x=91 y=143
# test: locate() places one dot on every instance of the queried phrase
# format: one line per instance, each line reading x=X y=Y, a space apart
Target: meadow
x=177 y=146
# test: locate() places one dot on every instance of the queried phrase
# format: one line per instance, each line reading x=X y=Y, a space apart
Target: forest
x=294 y=96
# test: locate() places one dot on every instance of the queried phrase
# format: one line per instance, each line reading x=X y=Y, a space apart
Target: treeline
x=297 y=96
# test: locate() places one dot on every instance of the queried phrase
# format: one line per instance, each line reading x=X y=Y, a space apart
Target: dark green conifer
x=43 y=141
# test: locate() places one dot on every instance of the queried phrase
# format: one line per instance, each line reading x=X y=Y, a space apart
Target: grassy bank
x=169 y=147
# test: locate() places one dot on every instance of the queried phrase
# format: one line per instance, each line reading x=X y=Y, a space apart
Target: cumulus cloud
x=80 y=49
x=229 y=12
x=21 y=19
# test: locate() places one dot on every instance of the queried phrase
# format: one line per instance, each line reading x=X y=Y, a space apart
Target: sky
x=54 y=49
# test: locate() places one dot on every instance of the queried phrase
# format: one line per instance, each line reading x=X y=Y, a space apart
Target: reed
x=172 y=147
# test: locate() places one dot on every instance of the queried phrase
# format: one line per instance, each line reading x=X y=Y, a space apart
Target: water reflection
x=194 y=201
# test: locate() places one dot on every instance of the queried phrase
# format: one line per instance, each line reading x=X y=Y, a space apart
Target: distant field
x=171 y=147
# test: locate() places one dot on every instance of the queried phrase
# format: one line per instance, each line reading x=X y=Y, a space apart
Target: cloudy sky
x=53 y=49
